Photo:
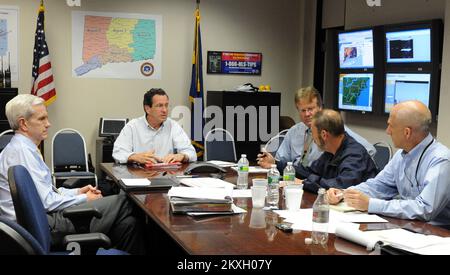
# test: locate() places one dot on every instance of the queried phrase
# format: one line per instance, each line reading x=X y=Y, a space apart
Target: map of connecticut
x=116 y=40
x=355 y=89
x=3 y=37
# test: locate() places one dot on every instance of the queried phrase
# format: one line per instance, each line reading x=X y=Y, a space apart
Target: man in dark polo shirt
x=344 y=163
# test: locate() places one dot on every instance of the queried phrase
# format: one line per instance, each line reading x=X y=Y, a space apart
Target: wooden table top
x=251 y=233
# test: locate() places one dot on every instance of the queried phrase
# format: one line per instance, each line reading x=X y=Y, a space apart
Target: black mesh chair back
x=219 y=145
x=383 y=154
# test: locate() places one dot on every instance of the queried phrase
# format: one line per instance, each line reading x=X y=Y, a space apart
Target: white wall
x=358 y=14
x=275 y=28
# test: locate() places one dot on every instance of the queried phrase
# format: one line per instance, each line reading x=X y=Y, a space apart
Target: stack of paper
x=200 y=199
x=413 y=242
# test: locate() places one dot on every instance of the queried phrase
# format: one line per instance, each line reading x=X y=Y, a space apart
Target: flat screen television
x=356 y=49
x=356 y=92
x=406 y=86
x=111 y=127
x=408 y=45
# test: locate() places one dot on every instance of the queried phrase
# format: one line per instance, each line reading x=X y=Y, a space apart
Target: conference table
x=251 y=233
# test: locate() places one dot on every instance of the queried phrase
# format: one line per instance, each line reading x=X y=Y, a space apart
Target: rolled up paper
x=356 y=236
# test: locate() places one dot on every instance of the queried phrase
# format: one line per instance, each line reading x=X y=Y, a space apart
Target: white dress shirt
x=21 y=150
x=424 y=188
x=138 y=136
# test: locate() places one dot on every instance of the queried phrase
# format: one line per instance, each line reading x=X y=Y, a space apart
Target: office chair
x=70 y=159
x=219 y=145
x=383 y=154
x=31 y=215
x=5 y=138
x=16 y=240
x=274 y=143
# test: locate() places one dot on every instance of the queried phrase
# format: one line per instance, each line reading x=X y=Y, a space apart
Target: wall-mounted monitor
x=406 y=86
x=408 y=46
x=356 y=92
x=111 y=127
x=356 y=49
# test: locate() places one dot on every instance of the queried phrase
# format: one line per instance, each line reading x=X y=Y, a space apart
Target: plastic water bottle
x=242 y=181
x=288 y=175
x=321 y=212
x=273 y=180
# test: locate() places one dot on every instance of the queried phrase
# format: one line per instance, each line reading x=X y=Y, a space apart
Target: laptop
x=156 y=184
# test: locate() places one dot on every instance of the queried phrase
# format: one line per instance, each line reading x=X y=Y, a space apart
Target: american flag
x=42 y=82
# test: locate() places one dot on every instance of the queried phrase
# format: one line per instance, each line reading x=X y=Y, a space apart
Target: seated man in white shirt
x=415 y=183
x=154 y=137
x=27 y=116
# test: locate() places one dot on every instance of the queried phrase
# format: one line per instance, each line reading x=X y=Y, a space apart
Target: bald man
x=344 y=161
x=415 y=184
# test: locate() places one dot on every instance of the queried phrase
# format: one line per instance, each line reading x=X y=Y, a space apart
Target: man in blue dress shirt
x=344 y=161
x=153 y=137
x=27 y=116
x=415 y=184
x=298 y=146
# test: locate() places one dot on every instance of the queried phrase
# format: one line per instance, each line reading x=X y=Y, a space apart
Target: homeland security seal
x=147 y=69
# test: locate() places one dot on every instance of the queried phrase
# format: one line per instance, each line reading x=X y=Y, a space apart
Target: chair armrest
x=81 y=217
x=89 y=243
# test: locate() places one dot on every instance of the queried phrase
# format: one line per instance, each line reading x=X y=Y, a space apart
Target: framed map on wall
x=116 y=45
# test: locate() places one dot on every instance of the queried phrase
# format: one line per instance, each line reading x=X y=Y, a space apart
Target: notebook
x=158 y=183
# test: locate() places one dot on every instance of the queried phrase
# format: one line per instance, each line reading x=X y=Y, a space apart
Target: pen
x=264 y=153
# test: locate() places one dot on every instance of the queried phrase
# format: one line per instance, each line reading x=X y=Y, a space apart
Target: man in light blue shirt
x=27 y=116
x=419 y=174
x=298 y=146
x=154 y=137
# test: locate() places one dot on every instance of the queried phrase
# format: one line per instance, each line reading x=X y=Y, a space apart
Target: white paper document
x=137 y=182
x=242 y=193
x=207 y=182
x=302 y=219
x=413 y=242
x=253 y=169
x=355 y=235
x=221 y=163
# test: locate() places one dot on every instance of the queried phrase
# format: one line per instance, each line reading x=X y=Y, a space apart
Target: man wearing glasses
x=415 y=183
x=154 y=137
x=298 y=146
